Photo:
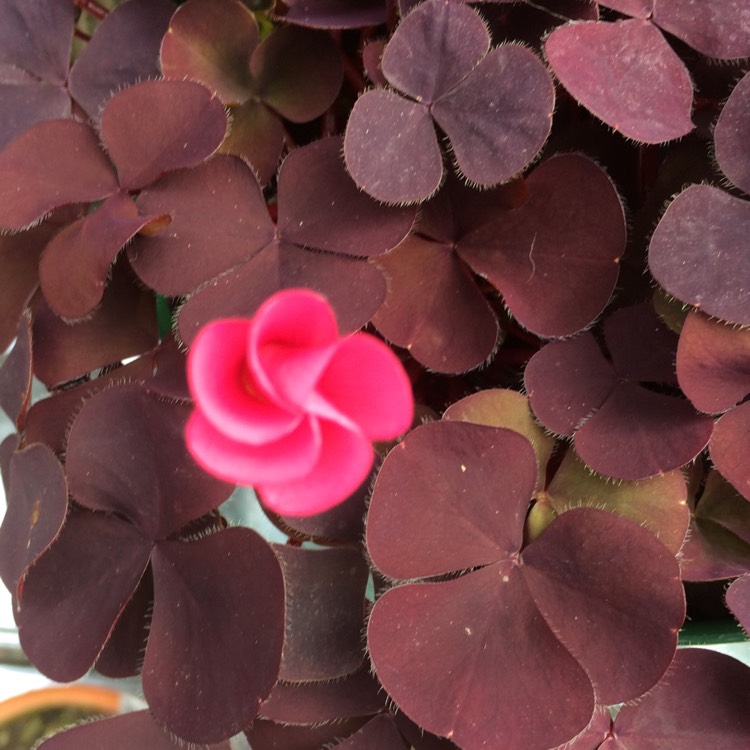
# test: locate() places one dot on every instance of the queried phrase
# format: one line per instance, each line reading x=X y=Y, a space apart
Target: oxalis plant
x=462 y=290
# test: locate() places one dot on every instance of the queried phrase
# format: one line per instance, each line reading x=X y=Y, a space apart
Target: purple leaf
x=371 y=150
x=37 y=37
x=732 y=136
x=448 y=338
x=257 y=136
x=567 y=381
x=355 y=288
x=37 y=503
x=652 y=99
x=533 y=255
x=124 y=49
x=717 y=28
x=336 y=14
x=154 y=127
x=451 y=462
x=450 y=38
x=564 y=573
x=458 y=656
x=634 y=8
x=325 y=598
x=499 y=116
x=358 y=694
x=171 y=261
x=76 y=591
x=637 y=433
x=379 y=732
x=698 y=252
x=16 y=373
x=738 y=600
x=24 y=104
x=75 y=264
x=622 y=428
x=120 y=733
x=123 y=326
x=216 y=635
x=267 y=735
x=728 y=448
x=51 y=164
x=718 y=545
x=700 y=702
x=713 y=363
x=7 y=448
x=211 y=42
x=340 y=218
x=297 y=72
x=122 y=470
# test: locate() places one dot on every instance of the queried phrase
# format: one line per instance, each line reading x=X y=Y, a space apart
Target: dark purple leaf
x=354 y=288
x=267 y=735
x=218 y=205
x=717 y=28
x=339 y=218
x=568 y=569
x=466 y=472
x=37 y=503
x=499 y=407
x=701 y=702
x=51 y=164
x=19 y=262
x=535 y=254
x=325 y=599
x=652 y=99
x=713 y=363
x=420 y=740
x=257 y=136
x=123 y=326
x=16 y=372
x=450 y=39
x=371 y=150
x=7 y=448
x=297 y=72
x=336 y=14
x=499 y=116
x=452 y=328
x=122 y=470
x=738 y=600
x=718 y=545
x=211 y=42
x=75 y=264
x=358 y=694
x=124 y=49
x=728 y=447
x=121 y=733
x=698 y=252
x=216 y=634
x=154 y=127
x=37 y=37
x=169 y=377
x=380 y=732
x=732 y=136
x=637 y=433
x=458 y=656
x=567 y=381
x=76 y=591
x=25 y=104
x=122 y=655
x=372 y=56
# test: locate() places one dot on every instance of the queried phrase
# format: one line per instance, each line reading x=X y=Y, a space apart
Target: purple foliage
x=542 y=208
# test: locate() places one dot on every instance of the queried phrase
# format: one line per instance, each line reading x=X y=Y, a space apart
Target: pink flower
x=285 y=404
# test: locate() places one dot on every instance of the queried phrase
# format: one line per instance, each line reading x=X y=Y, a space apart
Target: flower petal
x=293 y=319
x=220 y=383
x=344 y=462
x=290 y=457
x=367 y=383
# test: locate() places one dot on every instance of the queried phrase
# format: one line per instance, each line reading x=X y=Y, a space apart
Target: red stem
x=92 y=6
x=82 y=35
